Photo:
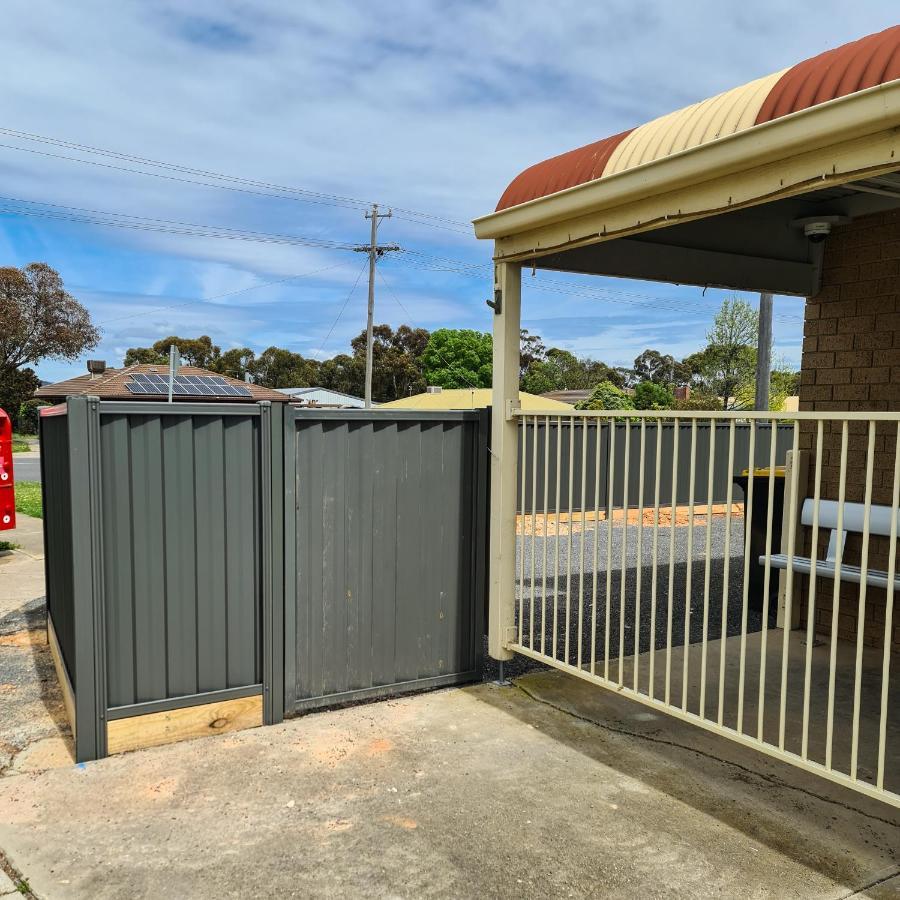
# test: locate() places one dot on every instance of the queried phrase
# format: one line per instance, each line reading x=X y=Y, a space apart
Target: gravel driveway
x=579 y=586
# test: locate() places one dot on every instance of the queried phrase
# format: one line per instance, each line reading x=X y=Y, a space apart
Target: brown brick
x=882 y=268
x=855 y=324
x=881 y=305
x=854 y=359
x=811 y=344
x=833 y=376
x=840 y=275
x=818 y=392
x=838 y=309
x=850 y=392
x=886 y=357
x=857 y=290
x=818 y=360
x=874 y=375
x=874 y=340
x=888 y=322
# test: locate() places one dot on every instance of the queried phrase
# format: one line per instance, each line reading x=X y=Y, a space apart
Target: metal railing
x=729 y=615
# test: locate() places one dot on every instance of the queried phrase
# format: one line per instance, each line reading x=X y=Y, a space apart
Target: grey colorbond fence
x=566 y=453
x=198 y=553
x=388 y=550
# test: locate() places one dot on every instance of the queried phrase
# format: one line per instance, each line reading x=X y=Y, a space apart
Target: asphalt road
x=27 y=467
x=575 y=585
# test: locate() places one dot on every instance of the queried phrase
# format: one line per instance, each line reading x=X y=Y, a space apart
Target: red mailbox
x=7 y=490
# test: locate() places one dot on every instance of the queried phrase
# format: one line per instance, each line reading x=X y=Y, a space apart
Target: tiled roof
x=111 y=385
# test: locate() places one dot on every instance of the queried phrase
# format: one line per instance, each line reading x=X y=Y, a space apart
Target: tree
x=237 y=362
x=144 y=356
x=17 y=386
x=730 y=357
x=396 y=360
x=278 y=368
x=458 y=358
x=649 y=395
x=654 y=366
x=39 y=319
x=607 y=396
x=200 y=352
x=531 y=351
x=561 y=370
x=343 y=373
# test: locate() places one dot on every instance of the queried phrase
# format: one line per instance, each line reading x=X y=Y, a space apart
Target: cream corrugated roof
x=469 y=398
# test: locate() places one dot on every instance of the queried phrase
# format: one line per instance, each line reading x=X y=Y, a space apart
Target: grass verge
x=19 y=446
x=28 y=499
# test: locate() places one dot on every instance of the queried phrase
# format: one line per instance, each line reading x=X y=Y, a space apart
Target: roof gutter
x=856 y=115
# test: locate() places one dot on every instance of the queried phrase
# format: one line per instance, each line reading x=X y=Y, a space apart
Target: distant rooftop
x=113 y=384
x=319 y=396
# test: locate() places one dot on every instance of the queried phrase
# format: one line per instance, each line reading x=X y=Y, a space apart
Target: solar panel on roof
x=185 y=386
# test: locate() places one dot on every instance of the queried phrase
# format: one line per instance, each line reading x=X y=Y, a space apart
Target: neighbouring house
x=468 y=398
x=150 y=382
x=324 y=397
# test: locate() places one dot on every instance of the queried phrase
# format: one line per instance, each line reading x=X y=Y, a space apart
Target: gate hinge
x=510 y=635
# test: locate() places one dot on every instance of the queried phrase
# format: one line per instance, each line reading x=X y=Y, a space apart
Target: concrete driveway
x=548 y=788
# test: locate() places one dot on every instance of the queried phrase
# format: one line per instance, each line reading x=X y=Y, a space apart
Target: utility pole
x=764 y=352
x=374 y=252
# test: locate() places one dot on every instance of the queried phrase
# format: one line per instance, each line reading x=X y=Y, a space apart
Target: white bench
x=879 y=523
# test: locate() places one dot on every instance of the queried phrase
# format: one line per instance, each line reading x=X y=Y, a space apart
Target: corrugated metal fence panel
x=562 y=433
x=385 y=552
x=181 y=553
x=57 y=504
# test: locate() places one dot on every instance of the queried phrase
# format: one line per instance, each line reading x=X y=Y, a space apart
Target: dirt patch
x=573 y=523
x=36 y=637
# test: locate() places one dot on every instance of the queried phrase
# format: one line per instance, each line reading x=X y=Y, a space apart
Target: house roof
x=111 y=385
x=469 y=398
x=320 y=396
x=866 y=63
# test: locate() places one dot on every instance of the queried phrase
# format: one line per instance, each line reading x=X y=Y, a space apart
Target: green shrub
x=649 y=395
x=607 y=396
x=29 y=413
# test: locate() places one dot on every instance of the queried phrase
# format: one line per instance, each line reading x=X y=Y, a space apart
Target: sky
x=428 y=108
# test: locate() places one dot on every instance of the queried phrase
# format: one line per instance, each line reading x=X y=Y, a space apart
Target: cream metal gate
x=696 y=611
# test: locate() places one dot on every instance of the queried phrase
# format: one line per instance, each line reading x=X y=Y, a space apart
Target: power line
x=254 y=287
x=337 y=319
x=230 y=182
x=406 y=312
x=165 y=226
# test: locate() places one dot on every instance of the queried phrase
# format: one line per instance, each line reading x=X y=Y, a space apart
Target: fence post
x=507 y=322
x=83 y=419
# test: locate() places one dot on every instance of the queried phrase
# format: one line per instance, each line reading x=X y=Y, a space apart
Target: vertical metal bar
x=811 y=596
x=624 y=557
x=706 y=570
x=861 y=612
x=523 y=462
x=609 y=530
x=640 y=557
x=546 y=535
x=584 y=432
x=789 y=580
x=596 y=546
x=556 y=534
x=533 y=520
x=567 y=642
x=658 y=474
x=676 y=440
x=272 y=712
x=889 y=615
x=767 y=580
x=836 y=593
x=748 y=518
x=689 y=588
x=726 y=571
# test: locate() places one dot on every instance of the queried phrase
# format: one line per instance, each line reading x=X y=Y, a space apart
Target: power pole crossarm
x=374 y=252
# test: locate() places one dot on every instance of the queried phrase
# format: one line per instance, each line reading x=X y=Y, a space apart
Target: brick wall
x=851 y=361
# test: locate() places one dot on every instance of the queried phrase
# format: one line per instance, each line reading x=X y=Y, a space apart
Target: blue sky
x=426 y=106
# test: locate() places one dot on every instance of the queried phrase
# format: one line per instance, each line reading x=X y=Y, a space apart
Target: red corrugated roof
x=862 y=64
x=874 y=59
